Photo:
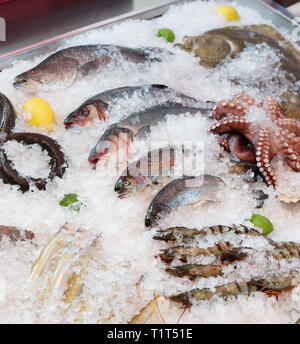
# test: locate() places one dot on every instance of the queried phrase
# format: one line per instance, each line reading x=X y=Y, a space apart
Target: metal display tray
x=268 y=9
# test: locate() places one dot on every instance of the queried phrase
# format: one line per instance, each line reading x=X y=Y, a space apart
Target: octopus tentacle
x=291 y=157
x=225 y=107
x=226 y=125
x=224 y=143
x=263 y=158
x=289 y=124
x=272 y=108
x=245 y=99
x=295 y=143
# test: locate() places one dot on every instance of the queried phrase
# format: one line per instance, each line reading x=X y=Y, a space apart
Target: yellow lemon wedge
x=228 y=12
x=41 y=112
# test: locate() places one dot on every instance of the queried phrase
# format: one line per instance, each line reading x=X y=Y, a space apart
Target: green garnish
x=262 y=222
x=167 y=34
x=71 y=201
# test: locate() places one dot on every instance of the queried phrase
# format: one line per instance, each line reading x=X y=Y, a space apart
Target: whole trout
x=73 y=63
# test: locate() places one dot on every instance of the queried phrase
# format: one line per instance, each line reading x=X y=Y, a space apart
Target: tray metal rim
x=7 y=58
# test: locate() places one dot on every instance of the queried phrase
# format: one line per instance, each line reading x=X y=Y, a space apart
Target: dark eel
x=8 y=115
x=9 y=175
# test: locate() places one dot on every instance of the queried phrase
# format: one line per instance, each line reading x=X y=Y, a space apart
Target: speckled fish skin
x=148 y=170
x=102 y=104
x=75 y=62
x=136 y=125
x=179 y=192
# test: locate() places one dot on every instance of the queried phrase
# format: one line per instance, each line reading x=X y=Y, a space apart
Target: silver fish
x=102 y=104
x=136 y=125
x=179 y=192
x=73 y=63
x=148 y=170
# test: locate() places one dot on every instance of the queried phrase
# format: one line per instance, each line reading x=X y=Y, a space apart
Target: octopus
x=259 y=140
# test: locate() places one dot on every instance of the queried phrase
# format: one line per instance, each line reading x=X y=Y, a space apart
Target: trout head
x=85 y=114
x=49 y=72
x=110 y=143
x=156 y=213
x=126 y=185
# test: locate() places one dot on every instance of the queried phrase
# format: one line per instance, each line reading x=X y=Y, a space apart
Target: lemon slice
x=228 y=12
x=41 y=112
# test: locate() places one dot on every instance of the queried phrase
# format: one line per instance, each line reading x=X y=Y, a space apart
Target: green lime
x=262 y=222
x=167 y=34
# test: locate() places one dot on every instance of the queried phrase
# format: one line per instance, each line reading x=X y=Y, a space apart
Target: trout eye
x=84 y=112
x=126 y=183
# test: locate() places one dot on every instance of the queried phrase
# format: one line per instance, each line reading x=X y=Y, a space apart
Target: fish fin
x=88 y=68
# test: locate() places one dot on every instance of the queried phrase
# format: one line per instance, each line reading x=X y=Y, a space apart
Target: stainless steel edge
x=266 y=8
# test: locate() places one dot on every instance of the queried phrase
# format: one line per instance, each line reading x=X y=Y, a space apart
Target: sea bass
x=102 y=104
x=73 y=63
x=136 y=125
x=180 y=192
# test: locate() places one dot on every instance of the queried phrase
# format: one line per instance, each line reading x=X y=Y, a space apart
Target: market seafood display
x=73 y=63
x=268 y=136
x=101 y=105
x=101 y=265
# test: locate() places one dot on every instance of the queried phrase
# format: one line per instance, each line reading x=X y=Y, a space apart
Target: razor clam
x=102 y=104
x=75 y=283
x=148 y=170
x=73 y=63
x=60 y=240
x=271 y=287
x=179 y=192
x=150 y=313
x=136 y=125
